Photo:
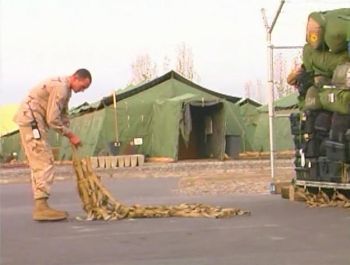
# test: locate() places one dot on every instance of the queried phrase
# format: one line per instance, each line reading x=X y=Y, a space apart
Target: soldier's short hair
x=83 y=73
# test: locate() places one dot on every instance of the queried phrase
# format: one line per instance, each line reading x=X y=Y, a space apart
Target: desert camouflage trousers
x=40 y=160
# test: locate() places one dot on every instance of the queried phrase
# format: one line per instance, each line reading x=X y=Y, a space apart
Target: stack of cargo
x=321 y=129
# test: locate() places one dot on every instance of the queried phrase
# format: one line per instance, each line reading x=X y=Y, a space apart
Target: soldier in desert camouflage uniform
x=46 y=107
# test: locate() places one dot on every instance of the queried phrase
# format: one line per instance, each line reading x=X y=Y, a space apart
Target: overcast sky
x=43 y=38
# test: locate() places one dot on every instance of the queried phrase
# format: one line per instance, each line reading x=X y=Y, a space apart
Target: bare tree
x=143 y=69
x=280 y=77
x=259 y=91
x=166 y=64
x=248 y=88
x=184 y=63
x=254 y=90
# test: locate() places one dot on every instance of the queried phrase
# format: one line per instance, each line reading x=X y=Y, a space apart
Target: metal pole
x=276 y=16
x=270 y=85
x=288 y=47
x=115 y=118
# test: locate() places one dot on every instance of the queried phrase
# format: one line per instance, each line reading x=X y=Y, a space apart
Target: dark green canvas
x=337 y=100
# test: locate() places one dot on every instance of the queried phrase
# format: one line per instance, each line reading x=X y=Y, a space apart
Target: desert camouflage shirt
x=48 y=103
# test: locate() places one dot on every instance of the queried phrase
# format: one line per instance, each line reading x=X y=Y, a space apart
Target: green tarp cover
x=322 y=62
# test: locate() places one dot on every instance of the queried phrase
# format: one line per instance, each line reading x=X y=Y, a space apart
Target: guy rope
x=99 y=204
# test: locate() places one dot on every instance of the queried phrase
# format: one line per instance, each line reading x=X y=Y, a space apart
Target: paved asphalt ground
x=277 y=232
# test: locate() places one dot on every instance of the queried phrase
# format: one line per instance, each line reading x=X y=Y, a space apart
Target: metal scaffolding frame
x=270 y=85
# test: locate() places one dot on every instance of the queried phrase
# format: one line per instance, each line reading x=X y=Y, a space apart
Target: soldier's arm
x=56 y=111
x=57 y=117
x=65 y=118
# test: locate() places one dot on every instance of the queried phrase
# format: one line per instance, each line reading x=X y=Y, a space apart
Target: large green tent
x=169 y=116
x=257 y=125
x=250 y=115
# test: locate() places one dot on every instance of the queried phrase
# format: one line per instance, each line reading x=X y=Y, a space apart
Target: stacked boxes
x=321 y=129
x=322 y=136
x=322 y=152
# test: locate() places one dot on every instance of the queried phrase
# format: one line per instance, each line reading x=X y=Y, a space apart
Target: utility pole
x=270 y=85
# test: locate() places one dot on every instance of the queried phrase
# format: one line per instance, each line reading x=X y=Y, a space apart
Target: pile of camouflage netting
x=99 y=204
x=322 y=199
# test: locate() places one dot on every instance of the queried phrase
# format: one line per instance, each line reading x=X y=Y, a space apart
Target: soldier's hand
x=74 y=139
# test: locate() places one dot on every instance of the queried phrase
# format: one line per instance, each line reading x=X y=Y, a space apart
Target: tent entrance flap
x=202 y=134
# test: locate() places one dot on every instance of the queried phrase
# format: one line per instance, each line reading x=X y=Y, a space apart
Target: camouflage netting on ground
x=322 y=199
x=99 y=204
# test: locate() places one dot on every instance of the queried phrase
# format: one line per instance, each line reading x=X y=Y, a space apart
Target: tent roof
x=287 y=102
x=133 y=90
x=244 y=101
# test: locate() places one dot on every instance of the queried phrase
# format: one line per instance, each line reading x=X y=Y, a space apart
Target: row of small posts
x=117 y=161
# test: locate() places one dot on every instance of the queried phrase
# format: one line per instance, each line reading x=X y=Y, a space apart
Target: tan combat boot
x=42 y=212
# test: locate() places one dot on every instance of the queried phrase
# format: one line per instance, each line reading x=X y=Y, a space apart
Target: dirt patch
x=241 y=181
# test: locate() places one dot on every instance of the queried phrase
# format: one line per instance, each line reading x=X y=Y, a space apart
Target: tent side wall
x=9 y=144
x=282 y=135
x=165 y=129
x=282 y=131
x=234 y=123
x=250 y=116
x=88 y=128
x=217 y=145
x=133 y=116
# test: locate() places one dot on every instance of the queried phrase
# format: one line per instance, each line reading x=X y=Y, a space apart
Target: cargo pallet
x=322 y=184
